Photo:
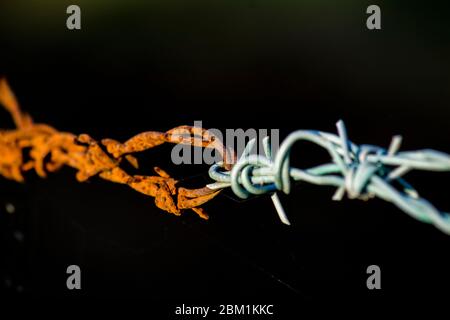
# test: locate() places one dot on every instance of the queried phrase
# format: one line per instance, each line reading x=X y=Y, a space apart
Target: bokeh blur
x=153 y=65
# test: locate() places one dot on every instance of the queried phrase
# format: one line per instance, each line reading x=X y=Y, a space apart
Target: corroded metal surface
x=44 y=149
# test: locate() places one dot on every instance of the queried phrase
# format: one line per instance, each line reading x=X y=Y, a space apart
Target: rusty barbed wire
x=44 y=149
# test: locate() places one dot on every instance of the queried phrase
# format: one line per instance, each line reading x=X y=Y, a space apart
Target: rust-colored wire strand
x=44 y=149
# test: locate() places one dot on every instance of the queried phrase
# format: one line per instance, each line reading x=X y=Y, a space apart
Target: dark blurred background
x=137 y=66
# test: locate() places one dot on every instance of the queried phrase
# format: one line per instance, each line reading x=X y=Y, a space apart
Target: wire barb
x=361 y=172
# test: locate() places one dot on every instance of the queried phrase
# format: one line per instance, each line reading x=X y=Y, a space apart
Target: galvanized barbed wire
x=362 y=172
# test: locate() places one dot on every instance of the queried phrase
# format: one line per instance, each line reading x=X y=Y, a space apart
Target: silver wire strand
x=361 y=172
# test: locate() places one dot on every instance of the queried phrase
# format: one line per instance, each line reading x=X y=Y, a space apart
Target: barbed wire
x=362 y=172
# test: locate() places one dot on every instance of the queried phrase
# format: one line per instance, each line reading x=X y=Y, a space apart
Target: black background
x=251 y=64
